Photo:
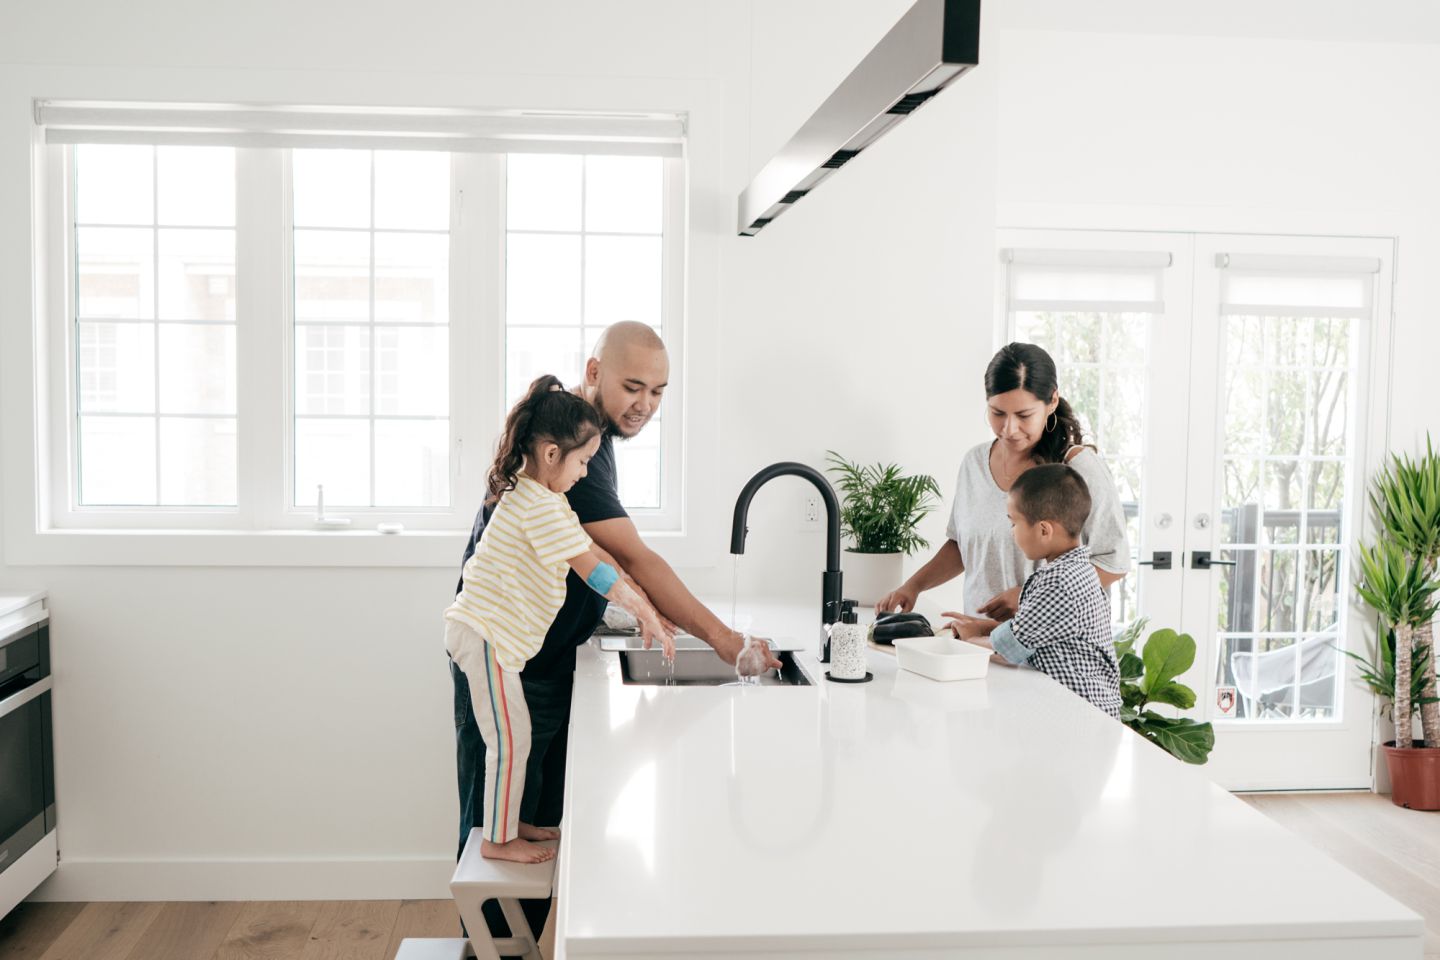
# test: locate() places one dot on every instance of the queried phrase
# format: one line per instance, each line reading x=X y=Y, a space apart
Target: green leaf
x=1167 y=654
x=1187 y=739
x=880 y=507
x=1126 y=639
x=1131 y=667
x=1132 y=696
x=1175 y=694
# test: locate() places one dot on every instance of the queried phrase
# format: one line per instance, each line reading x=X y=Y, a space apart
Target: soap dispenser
x=847 y=648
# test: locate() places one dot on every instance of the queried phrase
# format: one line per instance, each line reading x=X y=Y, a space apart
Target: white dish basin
x=942 y=658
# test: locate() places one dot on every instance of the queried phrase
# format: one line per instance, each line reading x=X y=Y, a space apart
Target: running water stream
x=740 y=680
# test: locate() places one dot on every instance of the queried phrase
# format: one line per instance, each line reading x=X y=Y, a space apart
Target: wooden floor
x=1397 y=850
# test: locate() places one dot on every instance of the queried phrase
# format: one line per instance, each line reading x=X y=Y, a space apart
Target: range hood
x=931 y=47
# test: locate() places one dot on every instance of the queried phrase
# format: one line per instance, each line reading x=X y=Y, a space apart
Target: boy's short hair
x=1054 y=492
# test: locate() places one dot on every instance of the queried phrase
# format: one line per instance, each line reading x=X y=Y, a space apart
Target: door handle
x=1200 y=560
x=1160 y=560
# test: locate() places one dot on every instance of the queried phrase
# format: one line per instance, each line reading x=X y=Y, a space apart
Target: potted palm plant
x=879 y=511
x=1398 y=579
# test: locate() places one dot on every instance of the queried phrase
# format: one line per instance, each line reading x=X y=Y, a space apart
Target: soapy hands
x=755 y=658
x=732 y=646
x=652 y=626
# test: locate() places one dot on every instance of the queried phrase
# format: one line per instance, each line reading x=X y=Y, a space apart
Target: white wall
x=1239 y=135
x=274 y=732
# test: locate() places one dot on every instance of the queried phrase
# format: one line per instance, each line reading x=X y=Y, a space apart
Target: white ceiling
x=1397 y=21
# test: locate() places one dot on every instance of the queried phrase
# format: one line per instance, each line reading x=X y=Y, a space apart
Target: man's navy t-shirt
x=594 y=498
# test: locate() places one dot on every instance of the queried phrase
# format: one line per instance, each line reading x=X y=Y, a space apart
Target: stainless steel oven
x=27 y=768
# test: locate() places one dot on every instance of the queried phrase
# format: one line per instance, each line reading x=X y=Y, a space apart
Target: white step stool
x=477 y=880
x=433 y=948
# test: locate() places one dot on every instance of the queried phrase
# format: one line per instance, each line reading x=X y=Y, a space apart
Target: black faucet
x=830 y=589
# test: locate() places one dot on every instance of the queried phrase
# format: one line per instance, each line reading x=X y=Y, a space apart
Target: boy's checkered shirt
x=1062 y=628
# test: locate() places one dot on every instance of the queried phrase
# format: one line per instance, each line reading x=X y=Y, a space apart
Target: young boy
x=1062 y=625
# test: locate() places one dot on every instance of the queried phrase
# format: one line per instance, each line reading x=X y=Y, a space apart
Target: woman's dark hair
x=548 y=414
x=1024 y=366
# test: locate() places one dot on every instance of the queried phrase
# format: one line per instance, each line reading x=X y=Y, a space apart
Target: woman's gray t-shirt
x=979 y=524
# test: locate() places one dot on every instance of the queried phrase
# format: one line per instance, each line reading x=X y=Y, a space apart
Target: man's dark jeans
x=544 y=798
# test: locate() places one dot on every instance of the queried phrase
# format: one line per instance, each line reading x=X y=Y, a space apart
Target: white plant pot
x=869 y=576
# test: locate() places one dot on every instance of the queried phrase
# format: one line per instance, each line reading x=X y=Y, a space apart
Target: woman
x=1033 y=424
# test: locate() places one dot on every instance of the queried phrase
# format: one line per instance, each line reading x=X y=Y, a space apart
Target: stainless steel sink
x=700 y=668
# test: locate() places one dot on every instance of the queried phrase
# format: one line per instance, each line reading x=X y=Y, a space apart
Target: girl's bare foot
x=517 y=850
x=528 y=831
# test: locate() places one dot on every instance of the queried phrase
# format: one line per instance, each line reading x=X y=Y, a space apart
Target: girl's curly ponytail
x=548 y=413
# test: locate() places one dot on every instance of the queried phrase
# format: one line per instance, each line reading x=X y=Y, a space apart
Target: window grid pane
x=583 y=250
x=371 y=338
x=154 y=242
x=1284 y=517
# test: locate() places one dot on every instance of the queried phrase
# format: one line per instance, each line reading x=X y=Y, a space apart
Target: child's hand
x=652 y=629
x=969 y=628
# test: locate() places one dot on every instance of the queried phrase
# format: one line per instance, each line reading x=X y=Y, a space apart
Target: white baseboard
x=89 y=880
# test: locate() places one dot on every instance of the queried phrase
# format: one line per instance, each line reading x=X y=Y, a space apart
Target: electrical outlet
x=810 y=511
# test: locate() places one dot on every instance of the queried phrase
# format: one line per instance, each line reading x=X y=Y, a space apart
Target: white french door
x=1227 y=381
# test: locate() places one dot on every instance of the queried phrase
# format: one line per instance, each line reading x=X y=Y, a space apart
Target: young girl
x=514 y=585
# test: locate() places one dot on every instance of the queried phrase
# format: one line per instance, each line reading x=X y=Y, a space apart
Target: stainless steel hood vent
x=931 y=47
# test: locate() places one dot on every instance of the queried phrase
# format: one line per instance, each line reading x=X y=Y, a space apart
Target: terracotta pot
x=1414 y=775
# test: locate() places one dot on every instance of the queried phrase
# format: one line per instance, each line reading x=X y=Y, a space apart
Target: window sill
x=239 y=548
x=279 y=548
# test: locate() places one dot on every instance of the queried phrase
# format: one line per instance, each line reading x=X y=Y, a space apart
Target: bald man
x=625 y=379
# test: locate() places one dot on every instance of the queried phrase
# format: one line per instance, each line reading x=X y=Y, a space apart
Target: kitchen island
x=1002 y=817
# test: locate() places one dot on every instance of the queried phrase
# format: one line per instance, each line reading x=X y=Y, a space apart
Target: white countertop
x=905 y=816
x=12 y=600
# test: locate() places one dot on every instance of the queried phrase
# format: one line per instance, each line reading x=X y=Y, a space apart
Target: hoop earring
x=1050 y=424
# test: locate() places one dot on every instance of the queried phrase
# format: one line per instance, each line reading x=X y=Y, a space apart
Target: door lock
x=1160 y=560
x=1200 y=560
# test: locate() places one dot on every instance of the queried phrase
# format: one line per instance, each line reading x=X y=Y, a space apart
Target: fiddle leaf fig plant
x=1148 y=677
x=880 y=506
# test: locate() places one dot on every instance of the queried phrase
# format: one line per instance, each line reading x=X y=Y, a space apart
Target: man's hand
x=1002 y=606
x=969 y=628
x=902 y=598
x=730 y=646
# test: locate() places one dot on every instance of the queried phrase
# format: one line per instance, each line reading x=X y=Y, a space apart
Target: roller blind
x=1085 y=280
x=385 y=128
x=1296 y=286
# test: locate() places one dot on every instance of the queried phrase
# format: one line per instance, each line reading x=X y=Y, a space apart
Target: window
x=1292 y=342
x=1246 y=369
x=371 y=328
x=1094 y=312
x=249 y=328
x=584 y=249
x=154 y=325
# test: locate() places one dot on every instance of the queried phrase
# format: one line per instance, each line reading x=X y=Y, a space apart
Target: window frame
x=265 y=363
x=668 y=517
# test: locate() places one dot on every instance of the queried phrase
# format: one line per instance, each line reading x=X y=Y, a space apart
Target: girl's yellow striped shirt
x=515 y=580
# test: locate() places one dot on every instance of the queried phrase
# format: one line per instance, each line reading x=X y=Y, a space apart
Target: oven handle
x=14 y=630
x=13 y=703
